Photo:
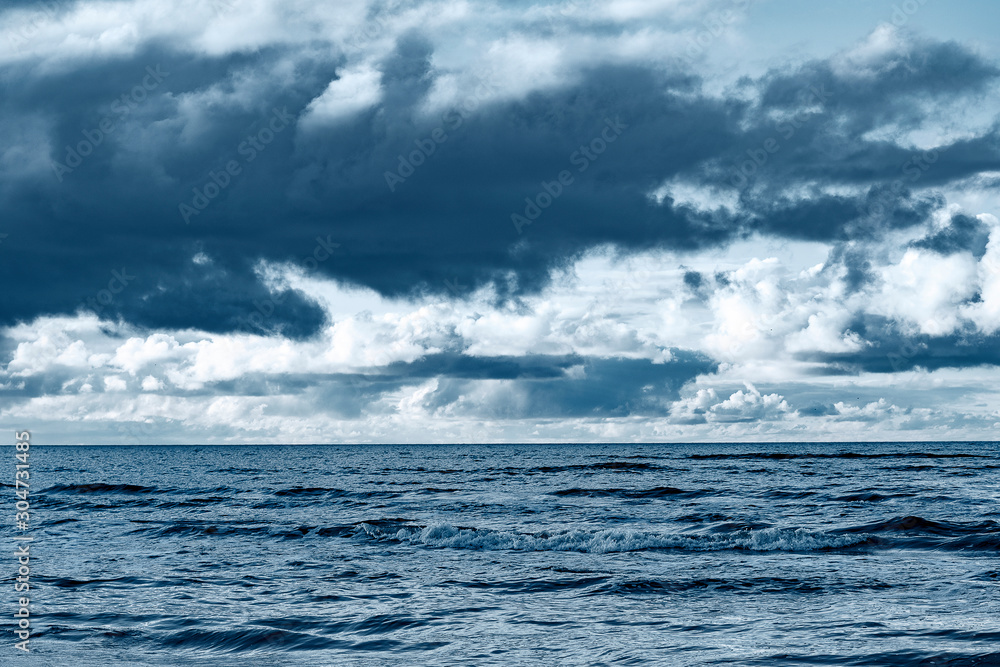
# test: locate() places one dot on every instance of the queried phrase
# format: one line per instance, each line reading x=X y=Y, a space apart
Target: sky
x=253 y=221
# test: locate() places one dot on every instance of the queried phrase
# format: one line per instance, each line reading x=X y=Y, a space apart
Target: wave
x=314 y=493
x=530 y=585
x=59 y=522
x=918 y=524
x=787 y=495
x=869 y=496
x=130 y=489
x=918 y=533
x=239 y=640
x=219 y=529
x=311 y=492
x=614 y=466
x=617 y=466
x=753 y=585
x=887 y=659
x=606 y=540
x=98 y=488
x=658 y=492
x=900 y=532
x=126 y=582
x=780 y=456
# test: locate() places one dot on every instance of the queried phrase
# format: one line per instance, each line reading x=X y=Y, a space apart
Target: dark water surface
x=771 y=554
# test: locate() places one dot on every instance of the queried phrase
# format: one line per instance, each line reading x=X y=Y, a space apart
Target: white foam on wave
x=612 y=540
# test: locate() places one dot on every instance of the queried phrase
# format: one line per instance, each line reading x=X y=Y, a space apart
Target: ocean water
x=769 y=554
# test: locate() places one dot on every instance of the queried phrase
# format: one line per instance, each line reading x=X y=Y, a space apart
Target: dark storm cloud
x=120 y=209
x=485 y=368
x=817 y=410
x=452 y=217
x=605 y=388
x=810 y=128
x=540 y=384
x=892 y=350
x=883 y=88
x=116 y=212
x=349 y=395
x=856 y=259
x=963 y=233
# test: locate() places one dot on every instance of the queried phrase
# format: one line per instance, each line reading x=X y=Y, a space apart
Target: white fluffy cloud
x=925 y=290
x=356 y=90
x=743 y=405
x=763 y=320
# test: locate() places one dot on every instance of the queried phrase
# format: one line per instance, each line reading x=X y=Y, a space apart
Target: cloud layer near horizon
x=446 y=221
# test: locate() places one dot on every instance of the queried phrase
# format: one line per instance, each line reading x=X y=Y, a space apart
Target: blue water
x=771 y=554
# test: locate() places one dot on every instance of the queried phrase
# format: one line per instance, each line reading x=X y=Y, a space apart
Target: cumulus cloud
x=743 y=405
x=749 y=245
x=353 y=91
x=660 y=336
x=372 y=85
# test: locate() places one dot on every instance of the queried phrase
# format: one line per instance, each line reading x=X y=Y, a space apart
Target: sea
x=589 y=554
